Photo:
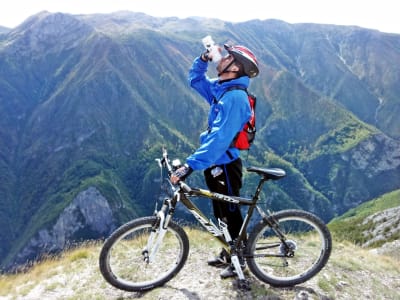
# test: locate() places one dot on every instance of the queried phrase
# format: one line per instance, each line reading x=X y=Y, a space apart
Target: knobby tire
x=271 y=261
x=123 y=262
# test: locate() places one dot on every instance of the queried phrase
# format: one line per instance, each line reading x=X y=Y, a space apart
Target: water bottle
x=212 y=48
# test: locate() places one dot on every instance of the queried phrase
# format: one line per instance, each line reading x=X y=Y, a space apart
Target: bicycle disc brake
x=288 y=248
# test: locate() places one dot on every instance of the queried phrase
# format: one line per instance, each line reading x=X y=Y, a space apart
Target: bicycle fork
x=157 y=233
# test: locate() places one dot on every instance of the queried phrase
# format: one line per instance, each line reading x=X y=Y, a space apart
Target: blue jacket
x=226 y=118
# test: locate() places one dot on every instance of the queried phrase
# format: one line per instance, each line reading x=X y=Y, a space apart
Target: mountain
x=88 y=101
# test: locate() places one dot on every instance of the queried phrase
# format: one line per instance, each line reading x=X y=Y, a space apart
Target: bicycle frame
x=267 y=250
x=183 y=193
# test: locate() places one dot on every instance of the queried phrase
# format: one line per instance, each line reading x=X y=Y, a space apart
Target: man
x=229 y=111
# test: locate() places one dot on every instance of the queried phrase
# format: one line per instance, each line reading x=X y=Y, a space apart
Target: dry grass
x=351 y=273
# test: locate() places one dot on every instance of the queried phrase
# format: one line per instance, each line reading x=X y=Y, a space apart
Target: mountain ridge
x=88 y=101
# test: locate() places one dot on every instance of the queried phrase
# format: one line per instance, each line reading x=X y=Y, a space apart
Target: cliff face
x=363 y=172
x=89 y=215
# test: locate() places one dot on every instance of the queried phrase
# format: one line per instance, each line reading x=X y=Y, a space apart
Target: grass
x=357 y=271
x=351 y=271
x=52 y=273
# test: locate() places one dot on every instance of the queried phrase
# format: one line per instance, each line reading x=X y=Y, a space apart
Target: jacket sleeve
x=199 y=81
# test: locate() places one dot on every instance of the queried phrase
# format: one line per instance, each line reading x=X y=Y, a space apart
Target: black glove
x=183 y=172
x=204 y=56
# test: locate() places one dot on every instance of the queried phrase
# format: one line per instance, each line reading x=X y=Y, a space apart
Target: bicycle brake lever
x=159 y=162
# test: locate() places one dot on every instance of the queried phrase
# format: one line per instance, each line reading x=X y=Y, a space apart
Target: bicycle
x=284 y=249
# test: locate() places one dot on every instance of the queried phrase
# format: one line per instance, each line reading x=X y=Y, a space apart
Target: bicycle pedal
x=243 y=284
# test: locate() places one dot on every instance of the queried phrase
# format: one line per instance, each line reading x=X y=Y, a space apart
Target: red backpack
x=245 y=137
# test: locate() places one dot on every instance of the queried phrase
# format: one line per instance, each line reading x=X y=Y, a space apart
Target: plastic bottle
x=212 y=48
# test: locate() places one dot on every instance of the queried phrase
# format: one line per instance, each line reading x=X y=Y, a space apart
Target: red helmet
x=245 y=57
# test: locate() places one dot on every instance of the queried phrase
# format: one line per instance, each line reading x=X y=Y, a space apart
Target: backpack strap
x=234 y=87
x=231 y=88
x=229 y=154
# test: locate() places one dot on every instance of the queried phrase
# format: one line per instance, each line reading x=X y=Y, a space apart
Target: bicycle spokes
x=138 y=256
x=294 y=247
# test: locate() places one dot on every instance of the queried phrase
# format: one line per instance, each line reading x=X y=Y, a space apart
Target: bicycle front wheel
x=291 y=251
x=140 y=256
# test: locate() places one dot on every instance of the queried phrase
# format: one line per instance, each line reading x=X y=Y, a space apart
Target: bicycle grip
x=165 y=161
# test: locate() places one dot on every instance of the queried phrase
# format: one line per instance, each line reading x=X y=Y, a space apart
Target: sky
x=373 y=14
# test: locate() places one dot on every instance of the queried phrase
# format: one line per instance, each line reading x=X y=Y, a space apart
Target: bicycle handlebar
x=165 y=162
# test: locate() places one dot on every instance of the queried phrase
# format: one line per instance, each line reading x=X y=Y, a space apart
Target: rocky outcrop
x=383 y=226
x=88 y=215
x=364 y=172
x=376 y=155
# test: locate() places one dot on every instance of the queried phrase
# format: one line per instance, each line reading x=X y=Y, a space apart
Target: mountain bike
x=285 y=248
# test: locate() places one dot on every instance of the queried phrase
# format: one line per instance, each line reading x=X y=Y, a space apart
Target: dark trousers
x=228 y=182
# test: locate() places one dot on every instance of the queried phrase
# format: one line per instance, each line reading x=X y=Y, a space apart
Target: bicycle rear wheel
x=134 y=259
x=306 y=250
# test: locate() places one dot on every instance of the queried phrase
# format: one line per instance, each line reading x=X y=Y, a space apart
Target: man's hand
x=181 y=174
x=210 y=55
x=204 y=56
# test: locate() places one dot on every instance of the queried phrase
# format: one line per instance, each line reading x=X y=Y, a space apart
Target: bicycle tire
x=268 y=258
x=122 y=258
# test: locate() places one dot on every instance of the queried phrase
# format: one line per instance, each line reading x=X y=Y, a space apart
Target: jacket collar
x=222 y=86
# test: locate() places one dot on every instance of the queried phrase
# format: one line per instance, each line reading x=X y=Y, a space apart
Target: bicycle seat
x=269 y=173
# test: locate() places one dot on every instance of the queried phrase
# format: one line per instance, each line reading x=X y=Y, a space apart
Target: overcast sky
x=382 y=15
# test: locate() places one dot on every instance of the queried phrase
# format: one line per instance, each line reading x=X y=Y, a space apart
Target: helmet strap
x=226 y=68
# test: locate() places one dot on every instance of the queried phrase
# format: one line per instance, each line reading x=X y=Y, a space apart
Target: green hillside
x=350 y=226
x=88 y=101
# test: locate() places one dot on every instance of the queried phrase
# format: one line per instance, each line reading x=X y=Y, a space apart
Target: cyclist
x=229 y=111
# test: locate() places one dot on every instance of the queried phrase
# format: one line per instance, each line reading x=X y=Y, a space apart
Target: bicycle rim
x=307 y=249
x=124 y=263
